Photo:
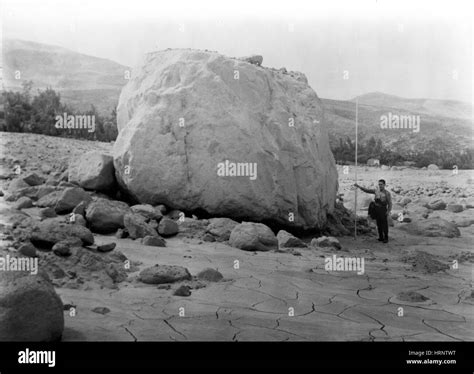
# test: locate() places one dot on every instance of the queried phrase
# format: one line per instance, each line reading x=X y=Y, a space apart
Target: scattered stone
x=168 y=227
x=425 y=262
x=63 y=248
x=326 y=241
x=153 y=241
x=17 y=184
x=30 y=309
x=436 y=204
x=164 y=286
x=286 y=240
x=116 y=272
x=433 y=167
x=101 y=310
x=164 y=274
x=221 y=228
x=455 y=208
x=210 y=275
x=23 y=203
x=250 y=236
x=183 y=291
x=69 y=198
x=27 y=249
x=77 y=219
x=432 y=227
x=147 y=211
x=93 y=171
x=33 y=179
x=47 y=213
x=106 y=216
x=137 y=226
x=51 y=231
x=106 y=247
x=208 y=238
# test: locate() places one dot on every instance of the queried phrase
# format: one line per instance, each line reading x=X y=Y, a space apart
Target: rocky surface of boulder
x=432 y=227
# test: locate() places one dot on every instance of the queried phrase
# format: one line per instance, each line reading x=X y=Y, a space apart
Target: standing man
x=383 y=208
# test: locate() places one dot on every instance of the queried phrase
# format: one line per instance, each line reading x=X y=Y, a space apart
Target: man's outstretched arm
x=366 y=190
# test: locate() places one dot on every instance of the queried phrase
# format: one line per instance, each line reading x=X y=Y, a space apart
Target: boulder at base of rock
x=221 y=228
x=164 y=274
x=432 y=227
x=286 y=240
x=147 y=211
x=106 y=216
x=93 y=171
x=69 y=198
x=326 y=241
x=182 y=290
x=137 y=226
x=250 y=236
x=51 y=231
x=238 y=157
x=168 y=227
x=27 y=249
x=30 y=309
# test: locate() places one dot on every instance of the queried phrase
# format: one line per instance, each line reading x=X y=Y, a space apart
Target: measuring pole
x=355 y=176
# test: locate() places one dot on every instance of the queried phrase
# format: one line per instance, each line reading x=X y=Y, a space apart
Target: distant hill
x=81 y=79
x=442 y=108
x=452 y=132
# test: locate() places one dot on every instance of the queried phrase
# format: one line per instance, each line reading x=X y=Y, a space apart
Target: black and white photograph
x=247 y=172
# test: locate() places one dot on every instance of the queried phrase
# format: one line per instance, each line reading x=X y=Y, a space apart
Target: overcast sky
x=405 y=48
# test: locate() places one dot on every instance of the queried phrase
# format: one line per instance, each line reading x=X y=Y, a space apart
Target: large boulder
x=30 y=309
x=93 y=171
x=436 y=204
x=250 y=236
x=185 y=124
x=105 y=216
x=432 y=227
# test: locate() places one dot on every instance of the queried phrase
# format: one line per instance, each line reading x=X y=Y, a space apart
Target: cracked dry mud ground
x=252 y=302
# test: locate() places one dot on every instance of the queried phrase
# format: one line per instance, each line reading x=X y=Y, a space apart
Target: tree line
x=24 y=112
x=444 y=158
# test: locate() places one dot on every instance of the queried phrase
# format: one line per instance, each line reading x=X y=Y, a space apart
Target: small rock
x=106 y=247
x=164 y=274
x=168 y=227
x=182 y=291
x=121 y=234
x=27 y=249
x=210 y=275
x=23 y=203
x=47 y=213
x=326 y=241
x=455 y=208
x=33 y=179
x=101 y=310
x=153 y=241
x=286 y=240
